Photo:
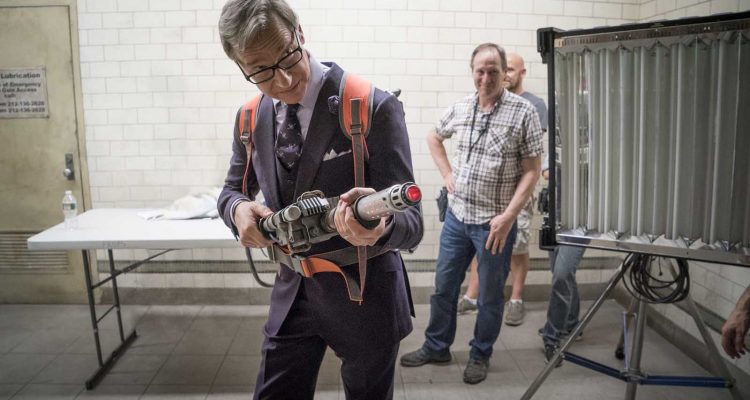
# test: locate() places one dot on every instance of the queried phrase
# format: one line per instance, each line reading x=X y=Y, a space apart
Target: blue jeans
x=459 y=242
x=564 y=303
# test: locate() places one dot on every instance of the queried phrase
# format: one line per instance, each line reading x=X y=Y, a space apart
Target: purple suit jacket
x=387 y=304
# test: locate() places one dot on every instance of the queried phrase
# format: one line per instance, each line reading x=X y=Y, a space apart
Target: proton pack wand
x=310 y=219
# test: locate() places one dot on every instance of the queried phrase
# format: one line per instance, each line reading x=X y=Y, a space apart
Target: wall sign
x=23 y=93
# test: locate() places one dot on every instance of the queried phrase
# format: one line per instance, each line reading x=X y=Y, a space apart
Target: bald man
x=514 y=82
x=519 y=264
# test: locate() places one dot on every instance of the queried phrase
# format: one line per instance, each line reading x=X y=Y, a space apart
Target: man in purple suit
x=308 y=315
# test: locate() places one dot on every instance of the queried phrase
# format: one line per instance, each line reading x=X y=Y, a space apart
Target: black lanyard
x=482 y=131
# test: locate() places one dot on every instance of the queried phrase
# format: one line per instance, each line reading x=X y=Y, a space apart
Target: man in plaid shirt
x=496 y=164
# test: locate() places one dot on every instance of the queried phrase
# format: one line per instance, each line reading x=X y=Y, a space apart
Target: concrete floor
x=212 y=352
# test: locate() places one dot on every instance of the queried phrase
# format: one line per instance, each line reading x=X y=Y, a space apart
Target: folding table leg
x=104 y=365
x=92 y=306
x=115 y=292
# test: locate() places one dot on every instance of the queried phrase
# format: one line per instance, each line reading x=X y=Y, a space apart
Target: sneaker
x=476 y=371
x=420 y=357
x=514 y=315
x=549 y=352
x=465 y=306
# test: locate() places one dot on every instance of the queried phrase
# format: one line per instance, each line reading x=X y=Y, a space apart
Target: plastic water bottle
x=70 y=210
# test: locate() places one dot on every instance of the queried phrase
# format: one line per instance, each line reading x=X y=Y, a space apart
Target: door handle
x=69 y=171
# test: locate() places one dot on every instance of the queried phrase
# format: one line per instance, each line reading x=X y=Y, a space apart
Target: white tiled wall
x=160 y=95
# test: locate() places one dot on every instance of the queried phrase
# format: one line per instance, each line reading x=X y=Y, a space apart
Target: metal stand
x=627 y=316
x=125 y=342
x=632 y=374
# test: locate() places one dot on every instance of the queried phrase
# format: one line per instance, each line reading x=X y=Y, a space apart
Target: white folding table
x=113 y=228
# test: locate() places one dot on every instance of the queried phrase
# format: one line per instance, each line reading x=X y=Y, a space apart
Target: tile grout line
x=151 y=381
x=224 y=359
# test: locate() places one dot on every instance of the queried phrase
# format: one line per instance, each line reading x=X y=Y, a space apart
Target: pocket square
x=332 y=154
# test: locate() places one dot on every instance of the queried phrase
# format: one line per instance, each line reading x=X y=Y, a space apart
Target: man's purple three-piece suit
x=307 y=315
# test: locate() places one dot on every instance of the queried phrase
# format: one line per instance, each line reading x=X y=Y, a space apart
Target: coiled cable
x=646 y=285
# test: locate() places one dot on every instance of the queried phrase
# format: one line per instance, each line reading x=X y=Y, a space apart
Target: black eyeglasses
x=266 y=74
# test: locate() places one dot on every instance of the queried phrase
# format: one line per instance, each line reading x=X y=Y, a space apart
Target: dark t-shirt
x=538 y=103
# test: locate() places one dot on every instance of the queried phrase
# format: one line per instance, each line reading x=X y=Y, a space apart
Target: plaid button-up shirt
x=487 y=161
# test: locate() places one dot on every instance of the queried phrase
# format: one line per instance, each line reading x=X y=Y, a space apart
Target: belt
x=326 y=262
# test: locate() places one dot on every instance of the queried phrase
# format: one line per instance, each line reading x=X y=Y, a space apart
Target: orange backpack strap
x=355 y=114
x=248 y=117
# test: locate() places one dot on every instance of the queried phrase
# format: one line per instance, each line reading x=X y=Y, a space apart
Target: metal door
x=40 y=123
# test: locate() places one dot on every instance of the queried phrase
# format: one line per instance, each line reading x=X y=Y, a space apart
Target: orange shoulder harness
x=355 y=114
x=248 y=117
